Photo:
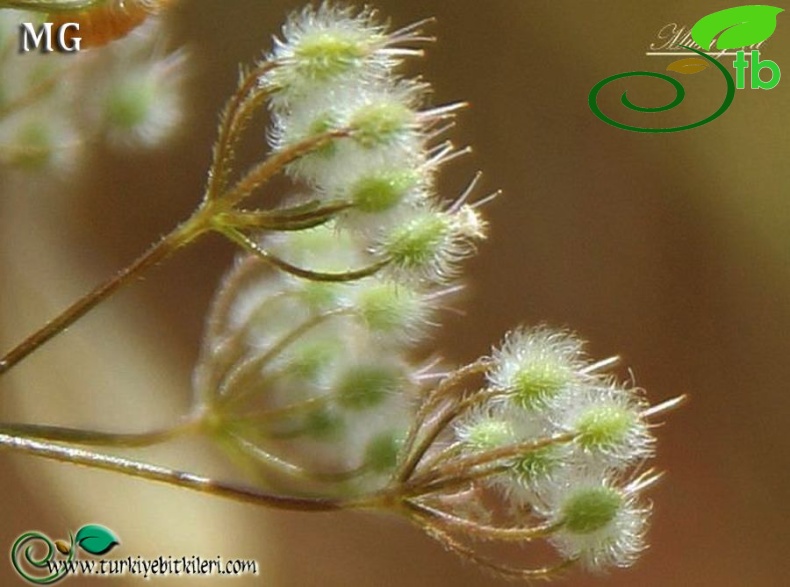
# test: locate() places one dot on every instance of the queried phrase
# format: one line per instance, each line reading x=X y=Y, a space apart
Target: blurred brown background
x=670 y=250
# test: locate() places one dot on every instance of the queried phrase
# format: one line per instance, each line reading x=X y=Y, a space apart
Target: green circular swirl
x=680 y=93
x=39 y=563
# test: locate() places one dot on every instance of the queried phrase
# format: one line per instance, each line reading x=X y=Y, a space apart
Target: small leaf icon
x=63 y=546
x=688 y=65
x=736 y=27
x=95 y=539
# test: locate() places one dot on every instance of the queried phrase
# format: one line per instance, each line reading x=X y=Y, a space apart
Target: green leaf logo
x=736 y=27
x=95 y=539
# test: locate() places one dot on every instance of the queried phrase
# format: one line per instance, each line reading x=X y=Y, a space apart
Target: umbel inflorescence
x=320 y=354
x=313 y=369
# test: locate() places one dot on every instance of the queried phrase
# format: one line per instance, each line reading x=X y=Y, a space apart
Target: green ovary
x=379 y=124
x=536 y=383
x=35 y=146
x=321 y=424
x=535 y=464
x=388 y=308
x=378 y=193
x=604 y=426
x=129 y=105
x=418 y=243
x=381 y=453
x=489 y=434
x=591 y=509
x=328 y=55
x=365 y=387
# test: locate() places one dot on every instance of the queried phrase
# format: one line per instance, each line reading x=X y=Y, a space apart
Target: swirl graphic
x=680 y=93
x=22 y=556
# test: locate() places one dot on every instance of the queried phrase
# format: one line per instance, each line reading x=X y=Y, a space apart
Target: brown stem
x=503 y=570
x=181 y=479
x=93 y=438
x=464 y=466
x=449 y=521
x=297 y=218
x=449 y=385
x=185 y=233
x=254 y=248
x=273 y=164
x=33 y=94
x=238 y=110
x=291 y=470
x=255 y=365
